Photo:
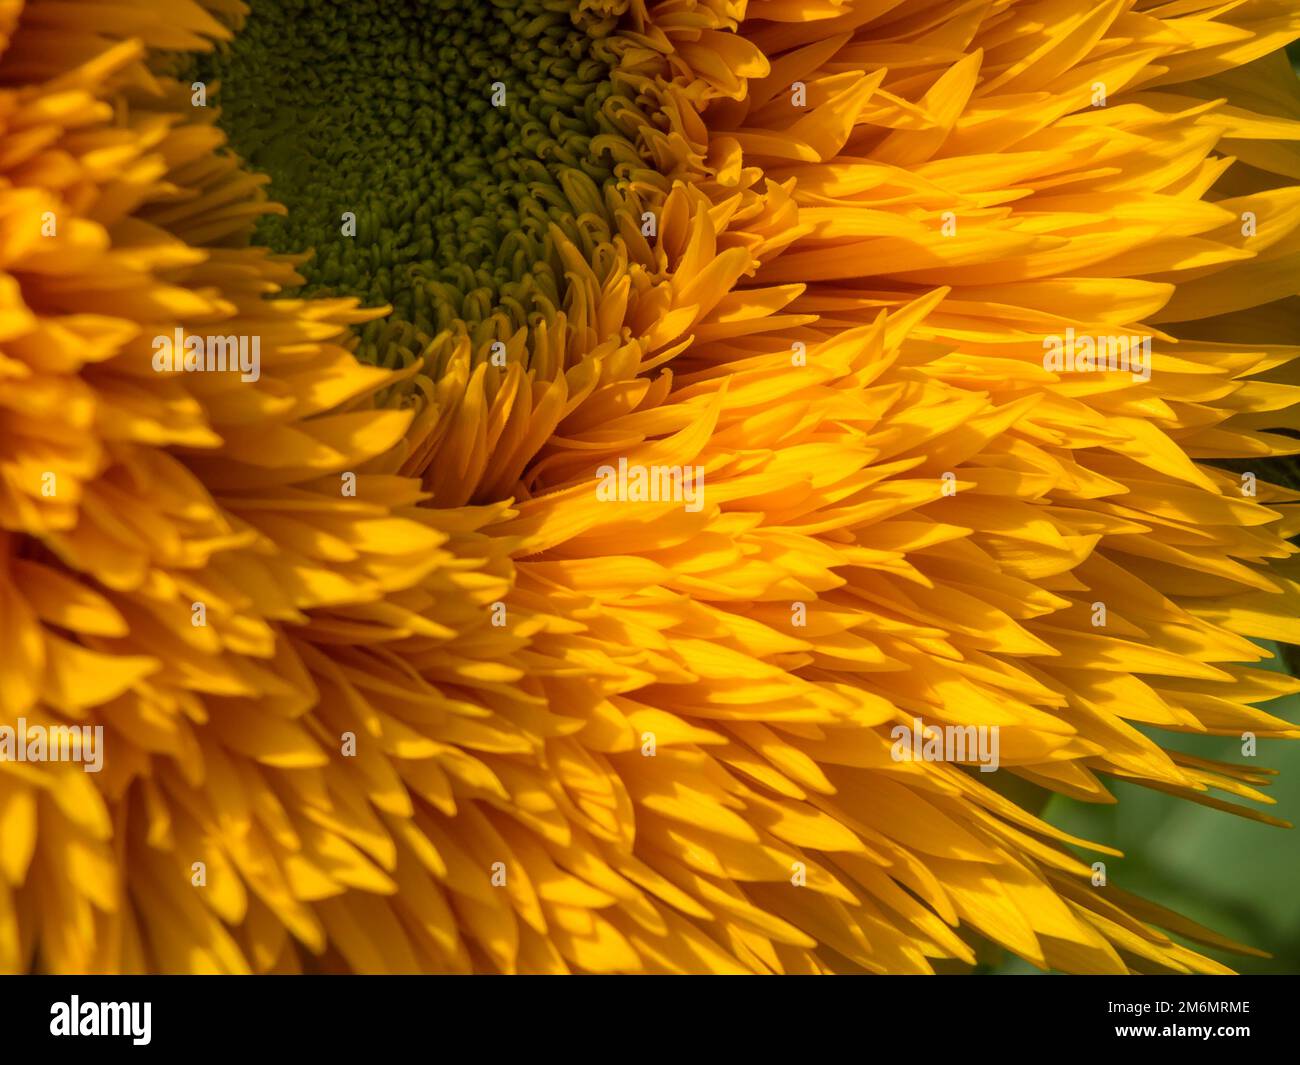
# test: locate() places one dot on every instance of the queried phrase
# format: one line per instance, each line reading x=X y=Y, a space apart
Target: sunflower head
x=692 y=445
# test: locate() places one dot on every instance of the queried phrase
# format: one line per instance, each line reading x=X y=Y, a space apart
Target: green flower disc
x=456 y=131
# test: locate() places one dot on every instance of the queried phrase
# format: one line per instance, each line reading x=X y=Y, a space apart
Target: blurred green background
x=1236 y=876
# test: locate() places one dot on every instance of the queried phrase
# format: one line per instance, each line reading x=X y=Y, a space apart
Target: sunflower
x=387 y=682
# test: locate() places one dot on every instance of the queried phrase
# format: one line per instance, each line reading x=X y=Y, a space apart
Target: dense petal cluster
x=813 y=248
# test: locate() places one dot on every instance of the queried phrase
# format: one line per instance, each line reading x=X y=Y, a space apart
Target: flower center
x=423 y=149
